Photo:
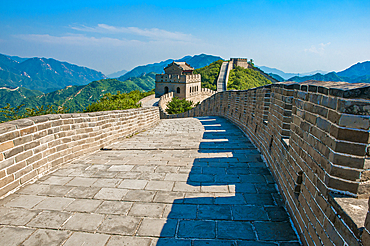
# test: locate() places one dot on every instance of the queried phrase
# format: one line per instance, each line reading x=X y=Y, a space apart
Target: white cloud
x=320 y=49
x=153 y=33
x=77 y=40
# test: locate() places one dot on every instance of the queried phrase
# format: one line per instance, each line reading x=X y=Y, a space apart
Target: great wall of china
x=314 y=137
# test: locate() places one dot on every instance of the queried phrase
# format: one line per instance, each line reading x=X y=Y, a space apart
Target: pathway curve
x=151 y=103
x=194 y=181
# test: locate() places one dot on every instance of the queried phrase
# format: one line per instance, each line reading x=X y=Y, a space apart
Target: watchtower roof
x=182 y=65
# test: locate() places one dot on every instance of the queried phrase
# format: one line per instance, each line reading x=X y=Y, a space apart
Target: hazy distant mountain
x=196 y=61
x=286 y=76
x=357 y=70
x=17 y=58
x=117 y=74
x=358 y=73
x=318 y=76
x=44 y=74
x=277 y=77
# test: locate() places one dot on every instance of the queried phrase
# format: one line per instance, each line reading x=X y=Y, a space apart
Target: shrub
x=118 y=101
x=178 y=106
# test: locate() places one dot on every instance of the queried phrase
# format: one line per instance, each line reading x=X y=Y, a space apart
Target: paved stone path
x=195 y=181
x=222 y=77
x=151 y=103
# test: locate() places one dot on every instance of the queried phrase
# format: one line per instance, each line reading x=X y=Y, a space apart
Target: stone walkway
x=222 y=77
x=151 y=103
x=194 y=181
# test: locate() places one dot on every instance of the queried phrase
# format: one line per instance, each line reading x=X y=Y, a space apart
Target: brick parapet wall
x=198 y=97
x=366 y=233
x=314 y=136
x=32 y=147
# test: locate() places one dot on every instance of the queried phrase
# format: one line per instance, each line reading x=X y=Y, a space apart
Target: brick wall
x=31 y=147
x=314 y=136
x=199 y=97
x=366 y=232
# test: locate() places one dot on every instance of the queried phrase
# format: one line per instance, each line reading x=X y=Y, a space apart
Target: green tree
x=178 y=106
x=14 y=113
x=11 y=113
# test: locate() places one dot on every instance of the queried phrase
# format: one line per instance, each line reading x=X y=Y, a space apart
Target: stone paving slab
x=194 y=181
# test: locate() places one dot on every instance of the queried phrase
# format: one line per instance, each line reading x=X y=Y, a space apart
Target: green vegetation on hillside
x=244 y=79
x=119 y=101
x=75 y=98
x=16 y=96
x=209 y=74
x=178 y=106
x=9 y=113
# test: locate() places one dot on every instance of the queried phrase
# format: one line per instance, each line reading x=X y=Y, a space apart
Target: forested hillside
x=118 y=101
x=16 y=96
x=210 y=74
x=243 y=79
x=77 y=98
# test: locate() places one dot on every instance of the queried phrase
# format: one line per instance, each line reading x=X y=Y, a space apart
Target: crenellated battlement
x=176 y=78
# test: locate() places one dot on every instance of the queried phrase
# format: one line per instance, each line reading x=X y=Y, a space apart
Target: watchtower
x=179 y=79
x=240 y=62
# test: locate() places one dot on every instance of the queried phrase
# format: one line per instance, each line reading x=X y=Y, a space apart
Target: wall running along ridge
x=32 y=147
x=314 y=137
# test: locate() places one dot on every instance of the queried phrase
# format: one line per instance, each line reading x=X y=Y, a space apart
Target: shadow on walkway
x=238 y=203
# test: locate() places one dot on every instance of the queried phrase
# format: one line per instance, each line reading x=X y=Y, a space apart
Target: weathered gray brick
x=14 y=151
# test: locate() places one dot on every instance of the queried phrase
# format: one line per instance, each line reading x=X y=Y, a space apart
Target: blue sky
x=294 y=36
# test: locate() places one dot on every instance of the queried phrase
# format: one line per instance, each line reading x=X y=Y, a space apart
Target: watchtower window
x=178 y=89
x=165 y=90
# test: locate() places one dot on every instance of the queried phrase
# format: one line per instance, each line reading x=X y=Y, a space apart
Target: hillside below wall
x=32 y=147
x=314 y=137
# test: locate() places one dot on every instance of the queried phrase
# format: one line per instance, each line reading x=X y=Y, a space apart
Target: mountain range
x=284 y=75
x=197 y=61
x=73 y=98
x=43 y=74
x=40 y=81
x=26 y=79
x=357 y=73
x=117 y=74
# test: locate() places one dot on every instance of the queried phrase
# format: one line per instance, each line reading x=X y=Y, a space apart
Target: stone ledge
x=352 y=210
